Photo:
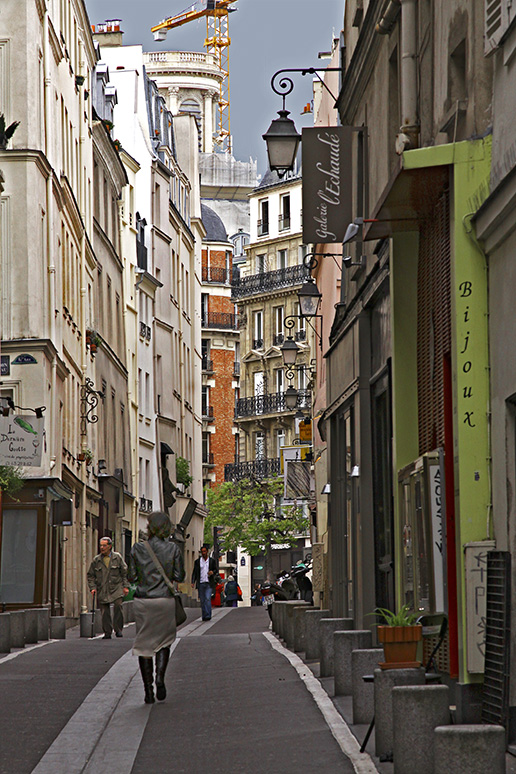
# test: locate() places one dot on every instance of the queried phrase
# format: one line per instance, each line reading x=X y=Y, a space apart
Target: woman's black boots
x=146 y=668
x=162 y=657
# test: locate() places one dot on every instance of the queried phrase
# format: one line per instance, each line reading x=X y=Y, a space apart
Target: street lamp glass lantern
x=291 y=398
x=289 y=351
x=282 y=139
x=309 y=298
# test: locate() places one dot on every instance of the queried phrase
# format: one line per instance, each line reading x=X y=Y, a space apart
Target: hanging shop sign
x=21 y=441
x=326 y=183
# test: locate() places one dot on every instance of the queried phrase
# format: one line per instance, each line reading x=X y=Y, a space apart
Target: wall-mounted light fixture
x=282 y=137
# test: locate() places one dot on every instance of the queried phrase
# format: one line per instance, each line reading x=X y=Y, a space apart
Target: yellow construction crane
x=217 y=43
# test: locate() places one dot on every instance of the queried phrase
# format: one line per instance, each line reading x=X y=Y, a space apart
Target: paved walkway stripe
x=362 y=762
x=106 y=731
x=28 y=649
x=72 y=749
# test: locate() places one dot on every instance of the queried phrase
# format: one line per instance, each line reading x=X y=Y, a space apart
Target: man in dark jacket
x=107 y=577
x=203 y=576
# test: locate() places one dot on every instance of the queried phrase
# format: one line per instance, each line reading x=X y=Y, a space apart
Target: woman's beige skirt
x=155 y=625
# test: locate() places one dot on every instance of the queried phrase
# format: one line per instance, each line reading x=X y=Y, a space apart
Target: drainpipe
x=82 y=322
x=51 y=267
x=409 y=130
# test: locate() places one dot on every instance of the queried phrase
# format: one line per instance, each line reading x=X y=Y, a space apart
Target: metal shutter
x=433 y=323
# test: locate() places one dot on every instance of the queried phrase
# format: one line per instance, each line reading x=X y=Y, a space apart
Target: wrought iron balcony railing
x=221 y=320
x=278 y=339
x=272 y=403
x=263 y=227
x=141 y=256
x=236 y=368
x=145 y=331
x=300 y=335
x=207 y=458
x=207 y=365
x=255 y=469
x=257 y=343
x=268 y=281
x=219 y=275
x=207 y=412
x=145 y=505
x=284 y=222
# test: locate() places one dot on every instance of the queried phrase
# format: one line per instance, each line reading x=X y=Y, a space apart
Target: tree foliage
x=11 y=480
x=247 y=512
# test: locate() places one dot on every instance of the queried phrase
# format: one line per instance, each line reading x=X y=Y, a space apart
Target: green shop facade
x=410 y=517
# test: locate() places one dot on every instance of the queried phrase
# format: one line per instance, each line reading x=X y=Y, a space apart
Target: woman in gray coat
x=154 y=603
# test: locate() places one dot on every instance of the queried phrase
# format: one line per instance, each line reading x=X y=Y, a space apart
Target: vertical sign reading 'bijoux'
x=326 y=183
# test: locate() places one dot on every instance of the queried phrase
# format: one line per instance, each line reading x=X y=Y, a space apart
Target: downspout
x=51 y=267
x=409 y=129
x=82 y=322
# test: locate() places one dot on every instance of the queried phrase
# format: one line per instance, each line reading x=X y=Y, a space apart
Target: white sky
x=266 y=35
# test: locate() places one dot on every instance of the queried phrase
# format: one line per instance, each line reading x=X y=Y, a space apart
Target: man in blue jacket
x=203 y=576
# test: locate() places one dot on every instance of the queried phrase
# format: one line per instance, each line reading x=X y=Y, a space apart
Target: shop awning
x=408 y=198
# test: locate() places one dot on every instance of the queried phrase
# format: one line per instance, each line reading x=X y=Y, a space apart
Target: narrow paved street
x=234 y=702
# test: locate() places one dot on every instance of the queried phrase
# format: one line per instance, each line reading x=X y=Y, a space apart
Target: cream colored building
x=47 y=267
x=168 y=240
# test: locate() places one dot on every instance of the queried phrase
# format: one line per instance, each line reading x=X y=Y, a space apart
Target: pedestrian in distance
x=217 y=596
x=154 y=601
x=107 y=578
x=232 y=592
x=203 y=577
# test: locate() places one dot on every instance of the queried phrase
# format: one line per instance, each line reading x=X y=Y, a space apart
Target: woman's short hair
x=159 y=524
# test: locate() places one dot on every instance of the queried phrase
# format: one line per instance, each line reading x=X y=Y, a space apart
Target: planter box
x=400 y=646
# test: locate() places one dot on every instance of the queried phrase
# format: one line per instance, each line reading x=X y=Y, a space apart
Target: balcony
x=236 y=368
x=273 y=403
x=284 y=222
x=207 y=458
x=141 y=256
x=207 y=413
x=256 y=469
x=221 y=320
x=278 y=339
x=145 y=331
x=207 y=365
x=218 y=275
x=145 y=505
x=300 y=335
x=257 y=343
x=263 y=227
x=268 y=281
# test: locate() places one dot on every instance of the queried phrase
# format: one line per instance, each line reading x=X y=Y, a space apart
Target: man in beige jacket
x=107 y=577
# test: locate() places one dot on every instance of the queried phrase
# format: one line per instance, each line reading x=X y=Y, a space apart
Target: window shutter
x=499 y=14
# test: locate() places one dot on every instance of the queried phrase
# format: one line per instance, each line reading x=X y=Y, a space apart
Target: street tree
x=251 y=516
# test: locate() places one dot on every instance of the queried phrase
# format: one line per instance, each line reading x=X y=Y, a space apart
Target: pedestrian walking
x=154 y=602
x=232 y=592
x=107 y=578
x=203 y=577
x=217 y=595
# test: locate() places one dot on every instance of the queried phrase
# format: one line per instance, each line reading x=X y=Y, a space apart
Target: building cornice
x=361 y=66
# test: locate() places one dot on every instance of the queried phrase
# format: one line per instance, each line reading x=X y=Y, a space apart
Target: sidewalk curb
x=362 y=762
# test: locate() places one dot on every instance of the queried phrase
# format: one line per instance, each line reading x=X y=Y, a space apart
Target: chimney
x=108 y=33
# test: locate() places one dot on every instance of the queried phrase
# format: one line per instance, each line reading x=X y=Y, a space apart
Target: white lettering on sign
x=330 y=194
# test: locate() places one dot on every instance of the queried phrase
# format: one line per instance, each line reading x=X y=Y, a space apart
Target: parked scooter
x=299 y=574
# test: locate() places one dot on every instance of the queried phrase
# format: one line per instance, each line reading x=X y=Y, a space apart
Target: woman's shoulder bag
x=180 y=611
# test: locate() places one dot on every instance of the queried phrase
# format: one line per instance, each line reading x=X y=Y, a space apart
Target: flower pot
x=400 y=646
x=93 y=348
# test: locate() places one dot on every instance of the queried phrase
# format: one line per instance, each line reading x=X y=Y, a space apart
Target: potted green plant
x=400 y=636
x=183 y=472
x=11 y=480
x=85 y=455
